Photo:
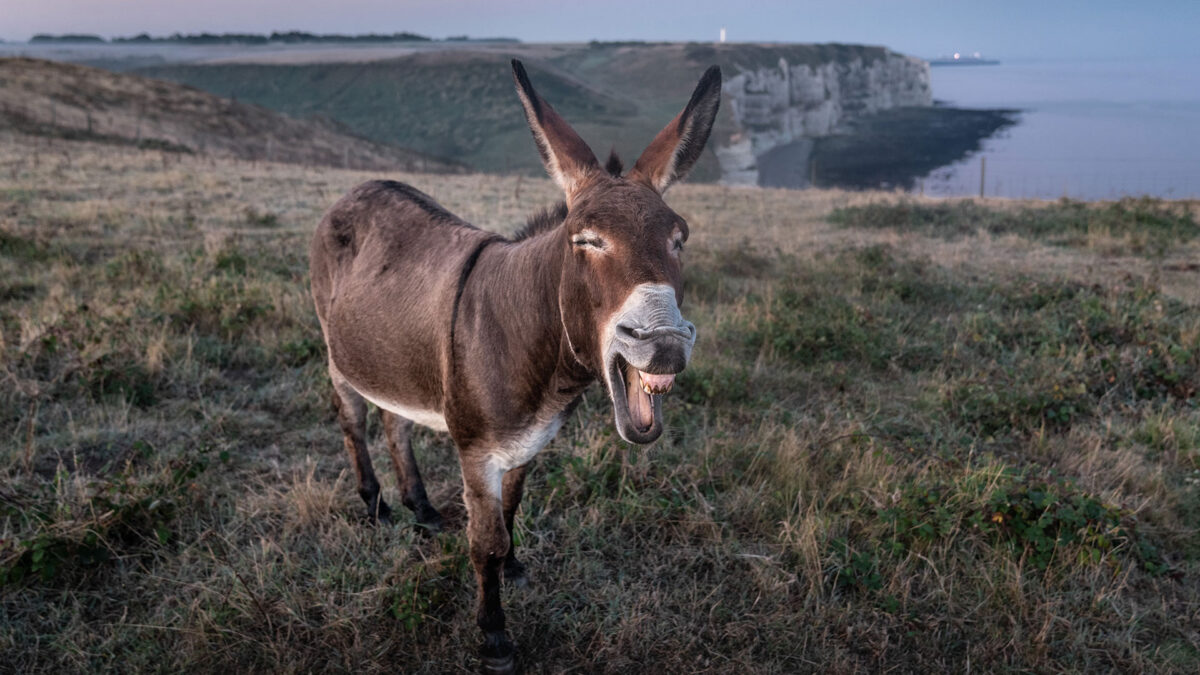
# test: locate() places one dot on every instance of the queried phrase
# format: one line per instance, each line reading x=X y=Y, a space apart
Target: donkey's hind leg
x=352 y=416
x=412 y=490
x=513 y=488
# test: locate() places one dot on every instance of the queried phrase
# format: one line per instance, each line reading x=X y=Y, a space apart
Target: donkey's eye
x=587 y=239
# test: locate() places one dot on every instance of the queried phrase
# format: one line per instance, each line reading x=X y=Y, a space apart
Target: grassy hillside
x=921 y=436
x=457 y=105
x=461 y=104
x=62 y=100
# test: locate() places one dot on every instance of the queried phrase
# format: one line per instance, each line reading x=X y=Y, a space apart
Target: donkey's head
x=622 y=278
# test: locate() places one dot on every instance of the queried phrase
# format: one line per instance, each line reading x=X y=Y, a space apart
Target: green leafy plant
x=1041 y=520
x=853 y=570
x=118 y=514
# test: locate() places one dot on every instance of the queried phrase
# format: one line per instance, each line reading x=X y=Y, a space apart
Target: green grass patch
x=1005 y=360
x=1041 y=521
x=22 y=248
x=1149 y=224
x=257 y=218
x=62 y=532
x=220 y=306
x=877 y=324
x=112 y=376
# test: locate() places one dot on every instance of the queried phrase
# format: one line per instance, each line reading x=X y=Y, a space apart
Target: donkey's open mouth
x=637 y=400
x=647 y=334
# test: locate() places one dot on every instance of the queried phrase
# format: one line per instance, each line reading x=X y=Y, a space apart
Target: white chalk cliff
x=791 y=104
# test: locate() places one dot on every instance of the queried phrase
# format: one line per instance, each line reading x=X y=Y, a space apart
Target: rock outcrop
x=790 y=104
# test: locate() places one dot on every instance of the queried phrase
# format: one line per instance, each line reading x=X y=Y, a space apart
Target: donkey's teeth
x=656 y=384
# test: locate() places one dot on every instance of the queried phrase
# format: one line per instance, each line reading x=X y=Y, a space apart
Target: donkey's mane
x=542 y=221
x=553 y=216
x=614 y=166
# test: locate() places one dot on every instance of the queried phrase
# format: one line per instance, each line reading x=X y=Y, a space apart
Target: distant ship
x=958 y=59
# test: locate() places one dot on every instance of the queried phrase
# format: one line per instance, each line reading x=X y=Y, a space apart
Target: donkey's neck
x=532 y=272
x=523 y=278
x=511 y=319
x=549 y=249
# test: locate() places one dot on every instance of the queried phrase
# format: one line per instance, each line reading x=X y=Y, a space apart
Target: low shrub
x=59 y=534
x=1039 y=520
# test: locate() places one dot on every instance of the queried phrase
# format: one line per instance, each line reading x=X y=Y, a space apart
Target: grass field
x=916 y=436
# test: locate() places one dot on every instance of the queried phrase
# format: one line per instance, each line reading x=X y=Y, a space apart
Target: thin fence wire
x=1073 y=178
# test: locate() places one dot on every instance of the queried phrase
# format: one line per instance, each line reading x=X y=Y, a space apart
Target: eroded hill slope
x=66 y=100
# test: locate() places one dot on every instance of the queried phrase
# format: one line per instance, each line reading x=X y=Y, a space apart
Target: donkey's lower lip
x=638 y=412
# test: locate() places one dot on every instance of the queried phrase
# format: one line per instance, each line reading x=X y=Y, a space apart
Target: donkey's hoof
x=515 y=574
x=496 y=656
x=429 y=522
x=381 y=516
x=497 y=665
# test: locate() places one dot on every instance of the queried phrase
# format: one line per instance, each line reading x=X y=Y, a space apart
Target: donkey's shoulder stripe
x=462 y=284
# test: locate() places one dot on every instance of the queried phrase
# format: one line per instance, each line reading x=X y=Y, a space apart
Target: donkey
x=495 y=339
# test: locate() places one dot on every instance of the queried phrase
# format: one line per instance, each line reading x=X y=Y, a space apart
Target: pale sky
x=1000 y=28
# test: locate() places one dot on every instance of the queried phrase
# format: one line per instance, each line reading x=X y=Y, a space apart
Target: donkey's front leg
x=489 y=542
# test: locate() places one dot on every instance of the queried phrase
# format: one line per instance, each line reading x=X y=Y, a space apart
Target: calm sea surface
x=1088 y=130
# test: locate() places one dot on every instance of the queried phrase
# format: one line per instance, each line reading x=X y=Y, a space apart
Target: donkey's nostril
x=684 y=332
x=644 y=333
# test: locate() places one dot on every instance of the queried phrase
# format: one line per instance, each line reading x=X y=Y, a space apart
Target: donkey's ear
x=676 y=148
x=568 y=159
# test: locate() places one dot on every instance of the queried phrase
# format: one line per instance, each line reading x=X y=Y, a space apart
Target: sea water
x=1086 y=130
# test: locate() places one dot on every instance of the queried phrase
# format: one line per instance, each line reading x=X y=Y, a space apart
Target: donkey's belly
x=429 y=418
x=390 y=354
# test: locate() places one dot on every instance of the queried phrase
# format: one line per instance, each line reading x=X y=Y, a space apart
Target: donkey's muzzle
x=658 y=350
x=650 y=333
